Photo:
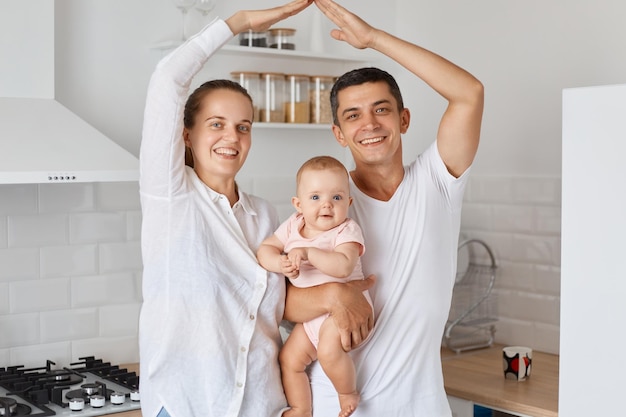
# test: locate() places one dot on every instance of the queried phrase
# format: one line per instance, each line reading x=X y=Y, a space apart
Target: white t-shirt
x=208 y=334
x=412 y=249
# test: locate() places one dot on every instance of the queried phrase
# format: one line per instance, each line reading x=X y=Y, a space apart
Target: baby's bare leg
x=295 y=356
x=338 y=366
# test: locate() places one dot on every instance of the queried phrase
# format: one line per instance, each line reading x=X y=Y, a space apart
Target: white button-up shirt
x=209 y=336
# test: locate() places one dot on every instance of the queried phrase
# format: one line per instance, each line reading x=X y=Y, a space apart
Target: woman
x=209 y=336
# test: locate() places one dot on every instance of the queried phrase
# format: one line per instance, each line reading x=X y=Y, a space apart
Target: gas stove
x=90 y=387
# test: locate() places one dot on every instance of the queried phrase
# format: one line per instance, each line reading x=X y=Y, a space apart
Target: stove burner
x=61 y=377
x=10 y=407
x=87 y=391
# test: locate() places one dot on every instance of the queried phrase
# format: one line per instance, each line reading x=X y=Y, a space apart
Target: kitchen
x=523 y=53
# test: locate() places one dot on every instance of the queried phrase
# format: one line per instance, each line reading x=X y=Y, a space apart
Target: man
x=410 y=216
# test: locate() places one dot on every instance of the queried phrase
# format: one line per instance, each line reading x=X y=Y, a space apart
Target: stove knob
x=134 y=396
x=118 y=398
x=77 y=404
x=96 y=401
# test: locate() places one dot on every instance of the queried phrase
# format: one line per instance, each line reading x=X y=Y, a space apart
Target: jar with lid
x=272 y=97
x=281 y=38
x=251 y=81
x=297 y=105
x=250 y=38
x=320 y=99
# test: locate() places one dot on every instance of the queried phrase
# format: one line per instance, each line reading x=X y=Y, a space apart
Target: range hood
x=41 y=140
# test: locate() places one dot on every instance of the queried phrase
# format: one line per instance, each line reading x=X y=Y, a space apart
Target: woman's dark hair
x=194 y=104
x=361 y=76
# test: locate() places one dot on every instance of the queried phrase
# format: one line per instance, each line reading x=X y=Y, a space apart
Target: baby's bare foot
x=348 y=403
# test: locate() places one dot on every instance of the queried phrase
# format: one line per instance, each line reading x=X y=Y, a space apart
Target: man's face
x=370 y=123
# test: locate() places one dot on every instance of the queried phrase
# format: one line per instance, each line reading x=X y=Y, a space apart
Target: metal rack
x=471 y=322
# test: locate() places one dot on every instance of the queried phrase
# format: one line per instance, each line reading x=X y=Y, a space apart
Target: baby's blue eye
x=336 y=197
x=315 y=197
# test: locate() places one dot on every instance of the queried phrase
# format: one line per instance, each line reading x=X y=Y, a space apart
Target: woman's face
x=221 y=135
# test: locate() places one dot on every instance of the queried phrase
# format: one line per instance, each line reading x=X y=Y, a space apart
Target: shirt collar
x=244 y=200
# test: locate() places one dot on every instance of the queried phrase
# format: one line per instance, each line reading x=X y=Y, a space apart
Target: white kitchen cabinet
x=461 y=407
x=592 y=254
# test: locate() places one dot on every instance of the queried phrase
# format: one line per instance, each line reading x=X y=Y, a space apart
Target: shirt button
x=239 y=385
x=251 y=316
x=243 y=348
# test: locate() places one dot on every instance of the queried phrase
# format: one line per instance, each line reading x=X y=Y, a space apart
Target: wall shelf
x=271 y=52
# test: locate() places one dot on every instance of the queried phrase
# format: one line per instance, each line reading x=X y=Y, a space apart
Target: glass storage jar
x=281 y=38
x=272 y=97
x=250 y=38
x=297 y=105
x=251 y=81
x=320 y=99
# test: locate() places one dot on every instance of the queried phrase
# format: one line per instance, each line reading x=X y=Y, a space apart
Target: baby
x=316 y=245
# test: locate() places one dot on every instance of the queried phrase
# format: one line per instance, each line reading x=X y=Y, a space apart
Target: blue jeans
x=163 y=413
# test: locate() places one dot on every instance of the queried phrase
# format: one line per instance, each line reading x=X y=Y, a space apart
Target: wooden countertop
x=477 y=376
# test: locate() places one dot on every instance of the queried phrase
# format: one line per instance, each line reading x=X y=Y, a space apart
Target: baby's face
x=323 y=198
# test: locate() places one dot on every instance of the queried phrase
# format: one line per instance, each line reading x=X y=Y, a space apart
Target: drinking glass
x=205 y=6
x=184 y=6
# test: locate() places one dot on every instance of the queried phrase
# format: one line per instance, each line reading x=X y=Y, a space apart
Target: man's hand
x=351 y=312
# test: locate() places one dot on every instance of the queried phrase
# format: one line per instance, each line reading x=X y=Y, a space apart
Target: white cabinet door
x=460 y=407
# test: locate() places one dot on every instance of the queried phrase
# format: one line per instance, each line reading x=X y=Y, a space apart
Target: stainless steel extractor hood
x=41 y=141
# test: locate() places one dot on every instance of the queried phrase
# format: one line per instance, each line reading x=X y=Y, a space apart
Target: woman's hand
x=260 y=20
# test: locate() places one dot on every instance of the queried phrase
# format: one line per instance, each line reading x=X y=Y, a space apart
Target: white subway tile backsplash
x=515 y=332
x=5 y=357
x=547 y=338
x=513 y=219
x=68 y=261
x=119 y=320
x=34 y=355
x=84 y=239
x=98 y=227
x=18 y=199
x=490 y=190
x=39 y=295
x=120 y=350
x=133 y=225
x=67 y=325
x=477 y=216
x=19 y=263
x=41 y=230
x=4 y=298
x=102 y=290
x=117 y=196
x=514 y=276
x=547 y=220
x=544 y=250
x=4 y=236
x=548 y=279
x=519 y=217
x=117 y=257
x=19 y=330
x=537 y=190
x=62 y=198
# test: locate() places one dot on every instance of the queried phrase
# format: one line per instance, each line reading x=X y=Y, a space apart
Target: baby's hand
x=288 y=268
x=297 y=255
